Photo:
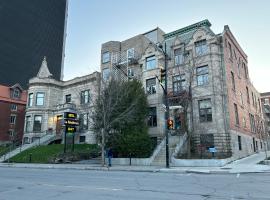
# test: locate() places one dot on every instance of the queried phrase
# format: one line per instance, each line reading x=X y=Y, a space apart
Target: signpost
x=70 y=122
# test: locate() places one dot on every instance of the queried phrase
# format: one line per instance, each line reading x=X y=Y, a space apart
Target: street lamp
x=165 y=89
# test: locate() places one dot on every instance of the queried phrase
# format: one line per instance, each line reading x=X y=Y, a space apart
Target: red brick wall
x=241 y=82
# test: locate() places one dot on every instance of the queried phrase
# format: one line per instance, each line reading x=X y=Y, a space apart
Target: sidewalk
x=245 y=165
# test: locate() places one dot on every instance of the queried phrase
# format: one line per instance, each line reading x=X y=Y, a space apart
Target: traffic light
x=162 y=75
x=170 y=124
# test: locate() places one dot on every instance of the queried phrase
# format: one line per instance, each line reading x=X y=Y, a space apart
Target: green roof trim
x=188 y=28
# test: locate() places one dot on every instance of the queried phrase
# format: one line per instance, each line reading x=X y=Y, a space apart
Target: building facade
x=209 y=70
x=30 y=30
x=12 y=109
x=49 y=99
x=265 y=101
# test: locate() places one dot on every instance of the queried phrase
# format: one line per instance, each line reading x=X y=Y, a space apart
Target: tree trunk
x=102 y=147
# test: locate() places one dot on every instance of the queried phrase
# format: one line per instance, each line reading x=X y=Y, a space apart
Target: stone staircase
x=174 y=141
x=46 y=139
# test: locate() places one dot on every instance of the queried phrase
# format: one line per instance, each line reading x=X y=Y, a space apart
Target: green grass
x=3 y=150
x=45 y=154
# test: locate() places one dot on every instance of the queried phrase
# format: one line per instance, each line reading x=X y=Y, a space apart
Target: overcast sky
x=93 y=22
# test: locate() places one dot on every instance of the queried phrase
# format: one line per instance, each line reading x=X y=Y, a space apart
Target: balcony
x=65 y=106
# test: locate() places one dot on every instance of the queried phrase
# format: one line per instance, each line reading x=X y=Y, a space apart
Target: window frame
x=151 y=86
x=204 y=75
x=12 y=119
x=204 y=114
x=67 y=98
x=83 y=96
x=236 y=114
x=30 y=99
x=178 y=83
x=37 y=128
x=149 y=60
x=152 y=117
x=106 y=57
x=201 y=47
x=43 y=98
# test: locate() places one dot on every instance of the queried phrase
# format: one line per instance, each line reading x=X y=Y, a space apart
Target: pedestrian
x=110 y=155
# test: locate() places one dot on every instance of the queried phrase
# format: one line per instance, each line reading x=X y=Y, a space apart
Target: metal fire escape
x=122 y=67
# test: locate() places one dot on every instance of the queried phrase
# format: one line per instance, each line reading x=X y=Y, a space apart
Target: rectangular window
x=238 y=68
x=241 y=98
x=68 y=98
x=37 y=123
x=247 y=95
x=245 y=70
x=202 y=75
x=40 y=99
x=178 y=83
x=28 y=124
x=178 y=56
x=12 y=119
x=13 y=107
x=266 y=101
x=84 y=120
x=152 y=117
x=30 y=99
x=130 y=72
x=239 y=143
x=106 y=74
x=236 y=114
x=16 y=94
x=207 y=140
x=105 y=57
x=205 y=110
x=244 y=123
x=150 y=63
x=130 y=53
x=82 y=139
x=85 y=96
x=151 y=86
x=230 y=49
x=252 y=123
x=201 y=48
x=233 y=81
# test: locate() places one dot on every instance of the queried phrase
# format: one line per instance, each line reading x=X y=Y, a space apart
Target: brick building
x=12 y=111
x=224 y=111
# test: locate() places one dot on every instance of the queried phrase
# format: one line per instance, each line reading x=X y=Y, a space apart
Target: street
x=39 y=184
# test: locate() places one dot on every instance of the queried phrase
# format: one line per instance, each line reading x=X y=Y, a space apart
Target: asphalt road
x=41 y=184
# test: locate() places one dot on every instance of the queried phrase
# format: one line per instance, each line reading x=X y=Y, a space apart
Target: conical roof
x=44 y=70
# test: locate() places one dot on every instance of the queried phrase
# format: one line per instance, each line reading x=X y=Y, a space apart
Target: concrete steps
x=42 y=141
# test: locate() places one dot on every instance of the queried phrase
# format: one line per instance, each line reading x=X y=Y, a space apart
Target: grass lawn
x=3 y=150
x=44 y=154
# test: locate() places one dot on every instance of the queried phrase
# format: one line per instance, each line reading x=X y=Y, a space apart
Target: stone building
x=265 y=100
x=48 y=99
x=211 y=69
x=12 y=109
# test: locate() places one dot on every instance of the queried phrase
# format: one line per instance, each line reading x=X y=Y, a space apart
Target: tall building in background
x=30 y=30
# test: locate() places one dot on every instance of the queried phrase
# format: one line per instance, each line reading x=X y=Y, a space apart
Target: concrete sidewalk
x=245 y=165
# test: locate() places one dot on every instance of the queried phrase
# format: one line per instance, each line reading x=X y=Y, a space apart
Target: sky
x=93 y=22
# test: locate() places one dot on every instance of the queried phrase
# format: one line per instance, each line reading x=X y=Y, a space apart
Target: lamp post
x=167 y=114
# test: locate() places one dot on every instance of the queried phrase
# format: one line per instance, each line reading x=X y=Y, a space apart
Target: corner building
x=225 y=110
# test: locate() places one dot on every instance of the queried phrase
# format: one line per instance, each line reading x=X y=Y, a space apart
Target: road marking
x=238 y=175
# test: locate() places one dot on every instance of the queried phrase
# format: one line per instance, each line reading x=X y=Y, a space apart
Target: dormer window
x=16 y=93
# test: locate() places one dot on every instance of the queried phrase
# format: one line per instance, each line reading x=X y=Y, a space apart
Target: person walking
x=110 y=155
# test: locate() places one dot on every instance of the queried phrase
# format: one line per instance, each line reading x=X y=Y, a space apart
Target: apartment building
x=12 y=110
x=208 y=69
x=49 y=99
x=265 y=101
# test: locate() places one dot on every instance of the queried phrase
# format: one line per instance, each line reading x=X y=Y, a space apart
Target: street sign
x=70 y=129
x=70 y=115
x=212 y=150
x=71 y=122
